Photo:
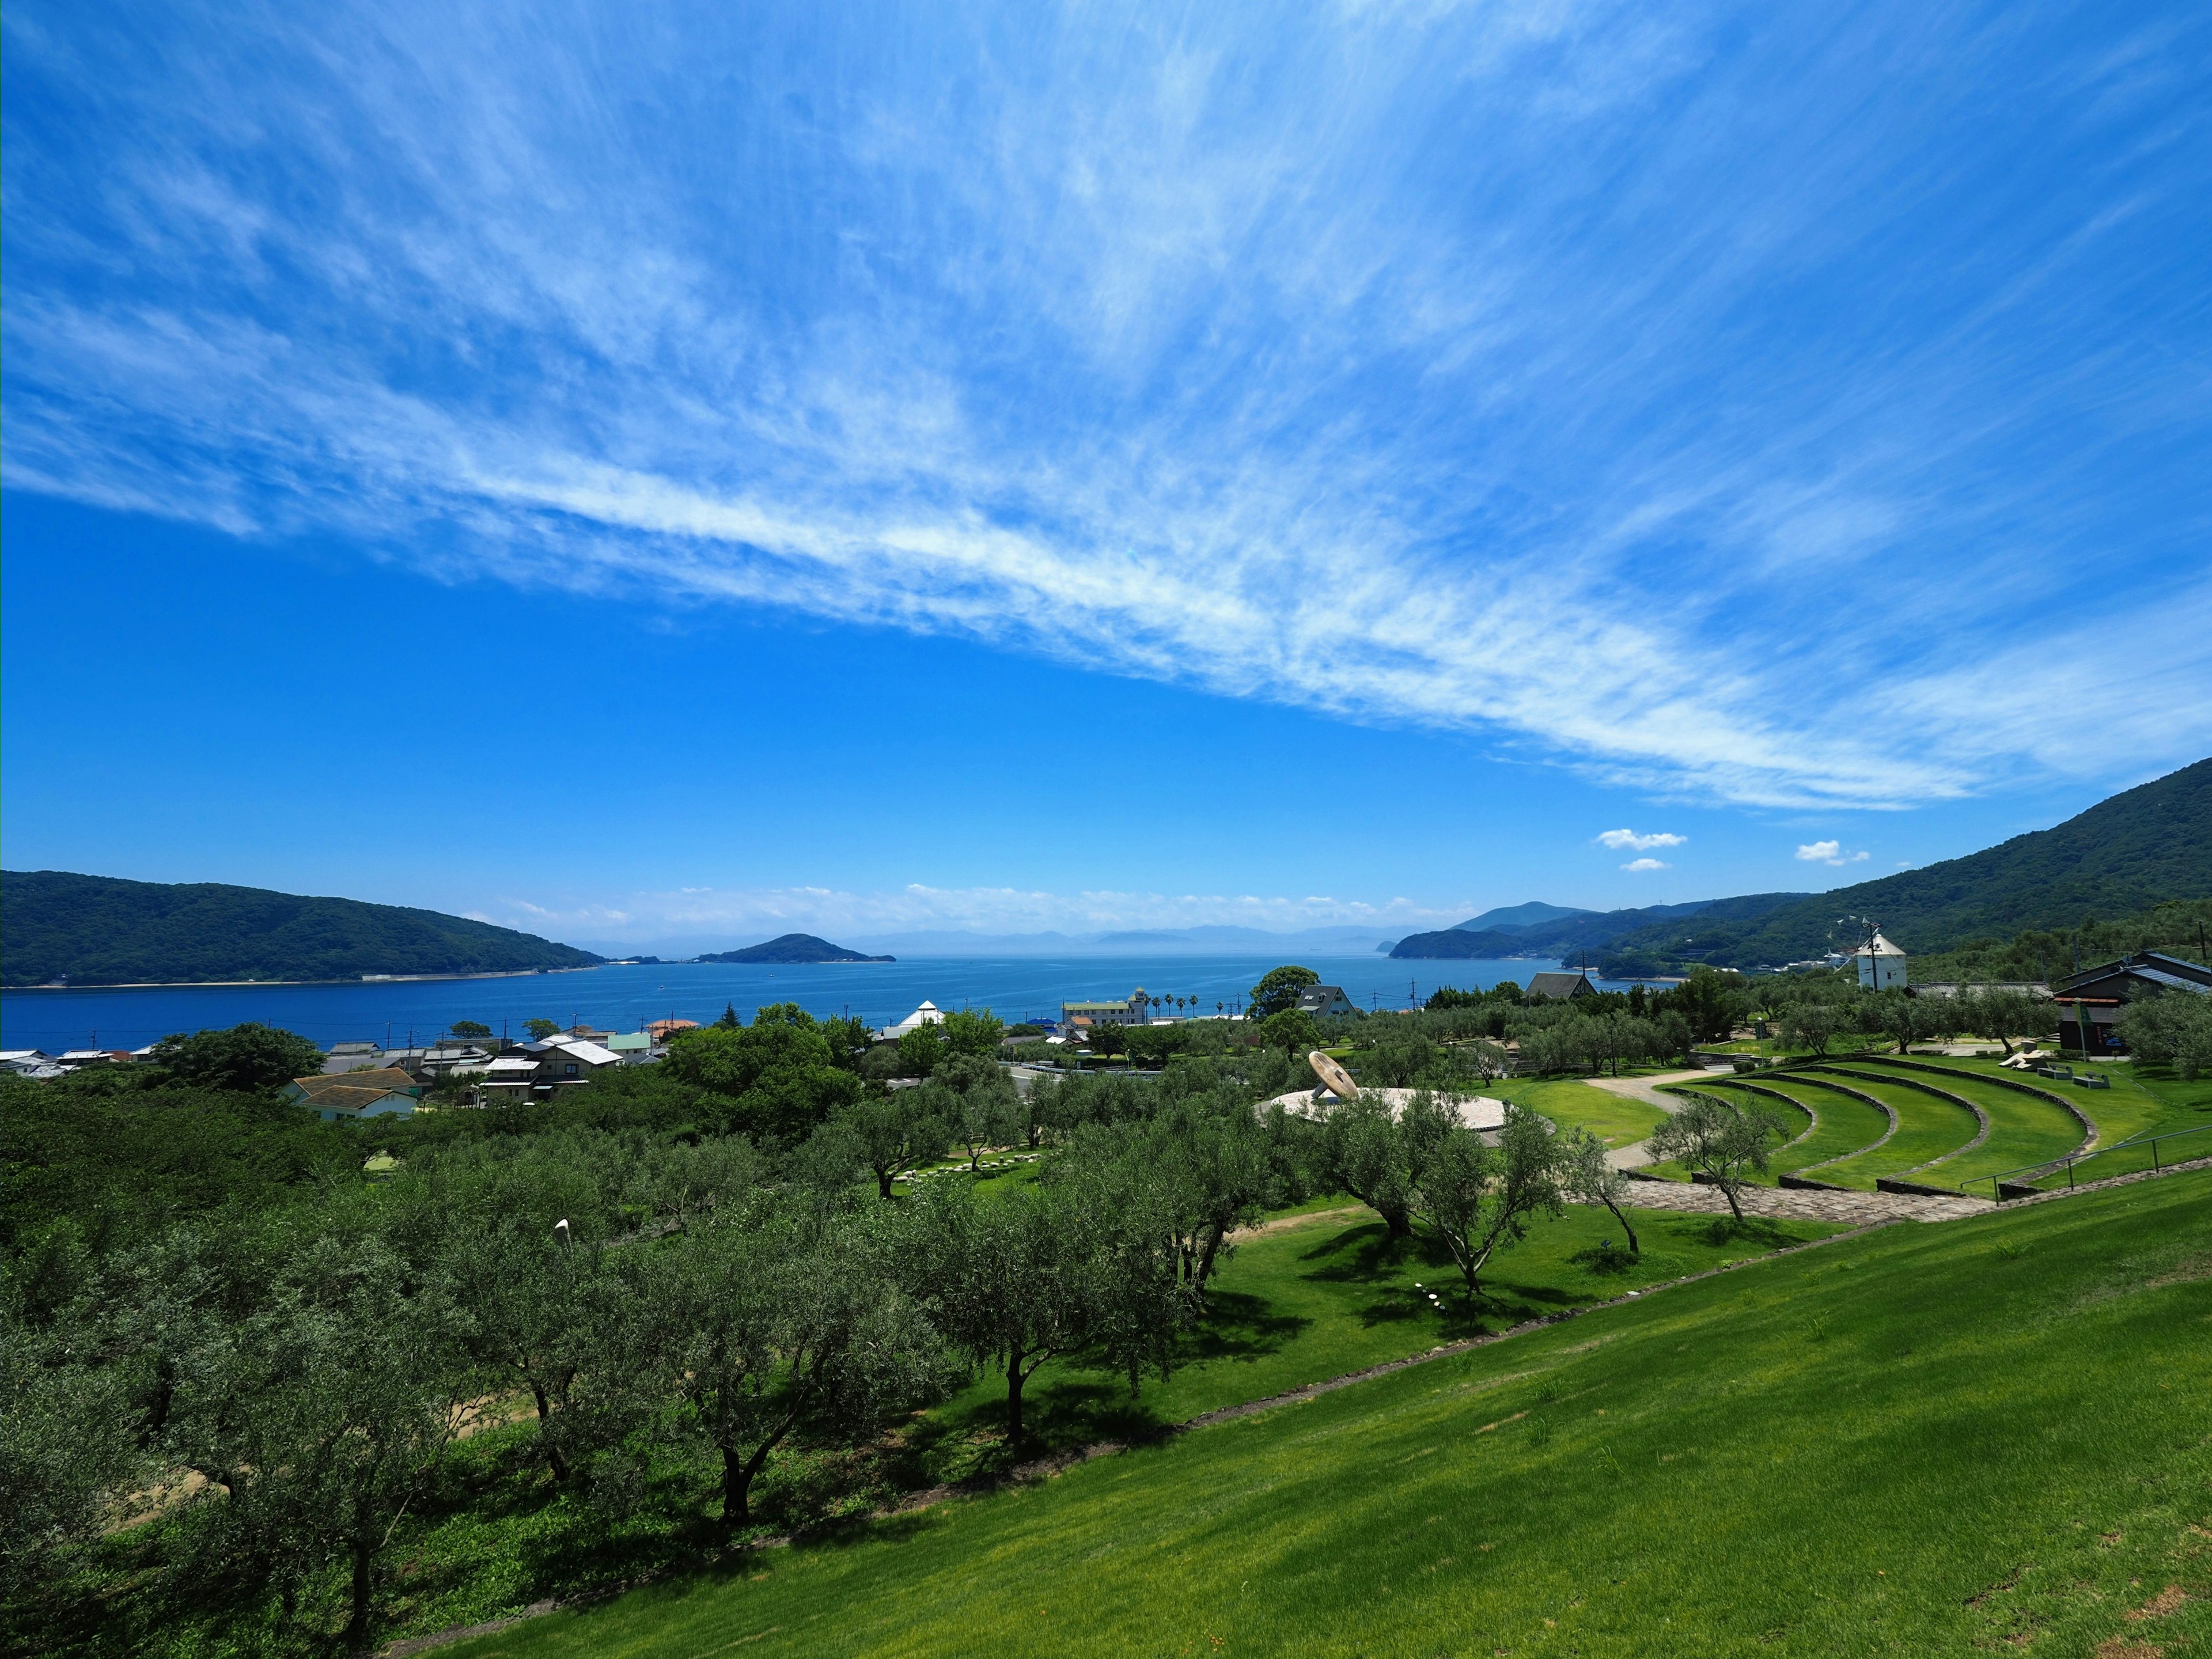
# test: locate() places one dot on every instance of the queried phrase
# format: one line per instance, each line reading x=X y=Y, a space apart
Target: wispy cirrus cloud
x=1509 y=370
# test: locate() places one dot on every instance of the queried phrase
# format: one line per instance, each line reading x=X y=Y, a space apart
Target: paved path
x=1851 y=1209
x=1646 y=1088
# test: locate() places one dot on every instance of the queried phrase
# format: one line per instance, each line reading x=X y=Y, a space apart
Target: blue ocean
x=621 y=998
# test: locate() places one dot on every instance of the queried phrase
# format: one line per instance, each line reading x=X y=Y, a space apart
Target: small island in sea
x=794 y=947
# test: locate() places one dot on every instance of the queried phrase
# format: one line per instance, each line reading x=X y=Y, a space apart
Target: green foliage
x=780 y=1071
x=760 y=1321
x=95 y=930
x=977 y=1032
x=248 y=1059
x=474 y=1030
x=2174 y=1028
x=1278 y=991
x=113 y=1162
x=1048 y=1269
x=1472 y=1197
x=1292 y=1030
x=1107 y=1039
x=541 y=1029
x=2179 y=928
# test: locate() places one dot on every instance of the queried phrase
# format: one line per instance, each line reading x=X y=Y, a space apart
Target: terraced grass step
x=1929 y=1127
x=1839 y=1125
x=2027 y=1125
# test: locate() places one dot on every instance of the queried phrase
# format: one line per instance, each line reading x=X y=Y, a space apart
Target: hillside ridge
x=58 y=925
x=794 y=948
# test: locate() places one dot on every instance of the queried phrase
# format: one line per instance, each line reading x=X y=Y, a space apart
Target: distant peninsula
x=62 y=928
x=794 y=948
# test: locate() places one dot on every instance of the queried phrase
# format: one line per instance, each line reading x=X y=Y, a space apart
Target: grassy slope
x=1328 y=1298
x=1922 y=1440
x=1615 y=1119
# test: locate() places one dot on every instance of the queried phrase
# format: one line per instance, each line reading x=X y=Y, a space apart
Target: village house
x=1324 y=1001
x=1563 y=987
x=2089 y=1002
x=927 y=1014
x=389 y=1092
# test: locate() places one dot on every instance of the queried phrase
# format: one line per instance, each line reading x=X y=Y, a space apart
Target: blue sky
x=637 y=473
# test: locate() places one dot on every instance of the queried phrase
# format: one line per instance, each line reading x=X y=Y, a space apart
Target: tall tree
x=1278 y=989
x=762 y=1321
x=1726 y=1143
x=252 y=1058
x=1586 y=1176
x=1478 y=1198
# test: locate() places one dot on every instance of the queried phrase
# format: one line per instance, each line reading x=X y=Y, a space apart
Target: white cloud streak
x=917 y=908
x=1829 y=853
x=1097 y=342
x=1625 y=840
x=1646 y=864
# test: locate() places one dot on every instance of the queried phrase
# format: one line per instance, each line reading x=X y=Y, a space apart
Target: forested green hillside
x=2123 y=856
x=97 y=930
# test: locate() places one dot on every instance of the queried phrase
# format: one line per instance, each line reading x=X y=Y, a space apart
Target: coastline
x=257 y=984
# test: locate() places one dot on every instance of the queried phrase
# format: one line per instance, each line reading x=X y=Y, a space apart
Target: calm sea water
x=623 y=998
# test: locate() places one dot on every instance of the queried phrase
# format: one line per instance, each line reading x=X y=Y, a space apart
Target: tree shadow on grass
x=1717 y=1232
x=1606 y=1259
x=1238 y=1325
x=1369 y=1252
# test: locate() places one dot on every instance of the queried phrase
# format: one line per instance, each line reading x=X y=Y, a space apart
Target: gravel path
x=1806 y=1204
x=1646 y=1088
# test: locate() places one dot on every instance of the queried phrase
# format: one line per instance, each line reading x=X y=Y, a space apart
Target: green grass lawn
x=1328 y=1298
x=1616 y=1119
x=1927 y=1127
x=1982 y=1436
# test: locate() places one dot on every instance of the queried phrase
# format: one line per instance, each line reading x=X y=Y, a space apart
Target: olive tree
x=323 y=1414
x=1721 y=1140
x=1588 y=1177
x=1473 y=1197
x=897 y=1132
x=1363 y=1153
x=760 y=1320
x=1066 y=1265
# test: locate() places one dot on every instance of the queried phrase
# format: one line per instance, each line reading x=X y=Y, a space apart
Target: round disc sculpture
x=1334 y=1078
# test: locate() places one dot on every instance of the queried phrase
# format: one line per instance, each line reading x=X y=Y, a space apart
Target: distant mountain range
x=794 y=947
x=1517 y=918
x=1564 y=932
x=99 y=930
x=2124 y=855
x=2139 y=849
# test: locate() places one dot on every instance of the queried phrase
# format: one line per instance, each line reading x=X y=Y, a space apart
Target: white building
x=927 y=1014
x=1882 y=965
